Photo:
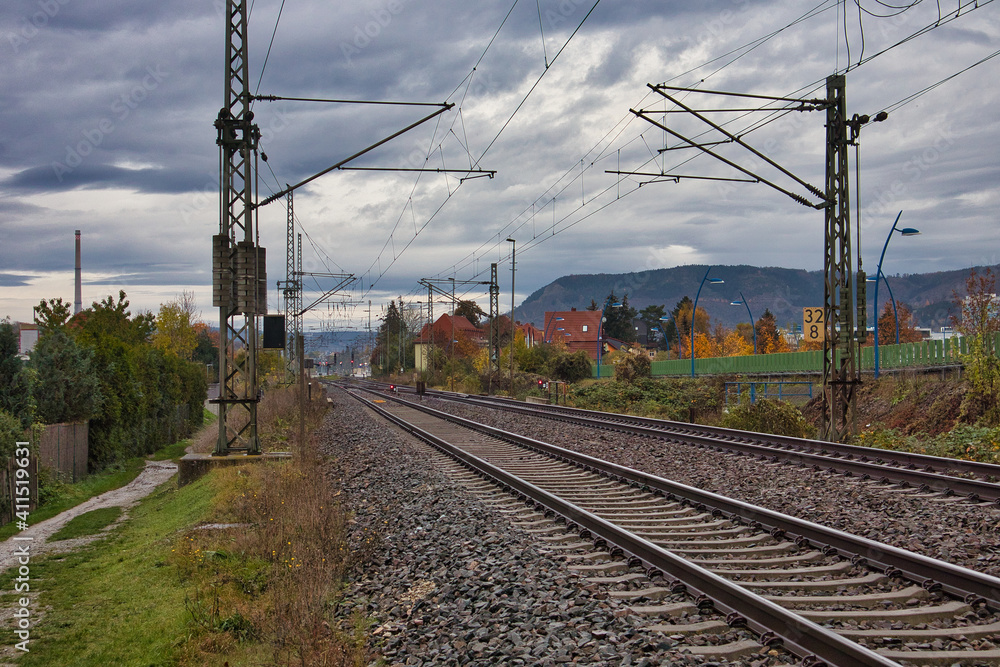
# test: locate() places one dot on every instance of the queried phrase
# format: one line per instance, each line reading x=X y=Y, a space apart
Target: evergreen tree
x=650 y=315
x=66 y=388
x=391 y=341
x=618 y=320
x=14 y=385
x=470 y=310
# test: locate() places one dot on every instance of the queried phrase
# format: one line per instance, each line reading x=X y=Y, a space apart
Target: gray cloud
x=108 y=110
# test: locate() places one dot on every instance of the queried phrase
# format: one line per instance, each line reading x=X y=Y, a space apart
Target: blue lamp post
x=753 y=327
x=905 y=231
x=680 y=349
x=694 y=310
x=545 y=334
x=892 y=299
x=600 y=329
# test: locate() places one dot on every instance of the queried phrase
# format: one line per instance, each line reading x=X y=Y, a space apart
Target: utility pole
x=841 y=371
x=844 y=300
x=513 y=268
x=451 y=344
x=494 y=327
x=238 y=271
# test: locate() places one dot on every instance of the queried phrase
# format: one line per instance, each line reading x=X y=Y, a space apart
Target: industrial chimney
x=78 y=294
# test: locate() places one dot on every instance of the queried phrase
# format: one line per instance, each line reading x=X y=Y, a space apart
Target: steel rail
x=925 y=461
x=801 y=636
x=888 y=466
x=931 y=573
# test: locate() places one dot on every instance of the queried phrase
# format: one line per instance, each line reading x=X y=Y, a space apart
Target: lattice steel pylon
x=239 y=280
x=841 y=371
x=292 y=293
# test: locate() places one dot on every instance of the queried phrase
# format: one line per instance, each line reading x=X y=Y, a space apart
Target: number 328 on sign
x=813 y=325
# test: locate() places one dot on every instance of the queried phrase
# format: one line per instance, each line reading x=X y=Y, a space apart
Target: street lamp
x=513 y=268
x=743 y=302
x=545 y=334
x=905 y=231
x=694 y=310
x=892 y=299
x=680 y=349
x=600 y=329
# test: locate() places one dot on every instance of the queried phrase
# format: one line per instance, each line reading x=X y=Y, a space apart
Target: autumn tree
x=175 y=333
x=735 y=345
x=682 y=318
x=887 y=325
x=979 y=322
x=769 y=339
x=705 y=346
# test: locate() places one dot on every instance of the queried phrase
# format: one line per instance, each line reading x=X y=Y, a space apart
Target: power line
x=910 y=98
x=270 y=44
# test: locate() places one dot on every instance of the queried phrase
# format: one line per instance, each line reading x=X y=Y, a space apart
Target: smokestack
x=78 y=294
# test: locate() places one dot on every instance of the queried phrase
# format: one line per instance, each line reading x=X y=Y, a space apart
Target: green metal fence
x=928 y=353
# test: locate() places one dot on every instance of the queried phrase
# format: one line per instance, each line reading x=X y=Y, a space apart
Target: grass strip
x=115 y=602
x=241 y=567
x=62 y=496
x=88 y=523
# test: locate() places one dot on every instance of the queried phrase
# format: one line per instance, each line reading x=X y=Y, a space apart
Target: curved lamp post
x=680 y=349
x=743 y=302
x=694 y=310
x=905 y=231
x=892 y=299
x=600 y=329
x=545 y=334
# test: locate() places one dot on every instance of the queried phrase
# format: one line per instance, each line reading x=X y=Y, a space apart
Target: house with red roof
x=576 y=329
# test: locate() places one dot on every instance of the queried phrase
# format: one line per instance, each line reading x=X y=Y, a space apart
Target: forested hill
x=785 y=292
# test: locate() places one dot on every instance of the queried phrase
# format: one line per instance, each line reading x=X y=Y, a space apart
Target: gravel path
x=154 y=474
x=448 y=580
x=952 y=530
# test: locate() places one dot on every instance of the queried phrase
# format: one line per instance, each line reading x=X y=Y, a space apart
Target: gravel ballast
x=446 y=579
x=951 y=530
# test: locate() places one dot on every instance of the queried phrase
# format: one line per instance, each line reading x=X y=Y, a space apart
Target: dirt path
x=155 y=473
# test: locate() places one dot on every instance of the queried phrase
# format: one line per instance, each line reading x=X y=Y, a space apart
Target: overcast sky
x=107 y=111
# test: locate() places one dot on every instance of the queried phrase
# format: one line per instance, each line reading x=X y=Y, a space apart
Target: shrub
x=632 y=367
x=572 y=367
x=768 y=416
x=675 y=399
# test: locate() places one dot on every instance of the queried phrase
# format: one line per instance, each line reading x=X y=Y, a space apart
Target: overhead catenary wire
x=963 y=10
x=618 y=130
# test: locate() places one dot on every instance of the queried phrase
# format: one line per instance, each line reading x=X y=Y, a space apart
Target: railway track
x=975 y=481
x=826 y=596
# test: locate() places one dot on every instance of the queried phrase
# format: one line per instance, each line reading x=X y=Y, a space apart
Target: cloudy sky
x=107 y=111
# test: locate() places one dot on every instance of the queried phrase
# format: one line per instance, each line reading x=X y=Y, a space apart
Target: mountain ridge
x=785 y=292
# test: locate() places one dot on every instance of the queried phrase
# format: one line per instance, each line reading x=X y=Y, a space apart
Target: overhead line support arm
x=732 y=137
x=340 y=164
x=798 y=198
